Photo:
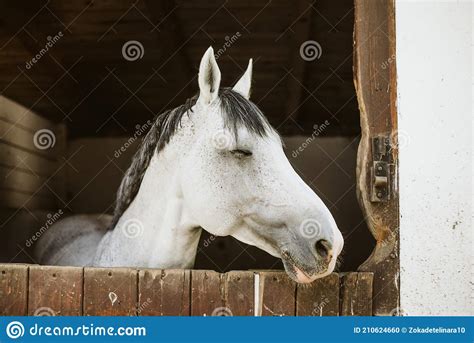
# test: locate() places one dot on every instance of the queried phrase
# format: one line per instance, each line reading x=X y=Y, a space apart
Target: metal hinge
x=381 y=169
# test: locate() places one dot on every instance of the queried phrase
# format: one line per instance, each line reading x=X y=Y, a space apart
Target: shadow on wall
x=327 y=164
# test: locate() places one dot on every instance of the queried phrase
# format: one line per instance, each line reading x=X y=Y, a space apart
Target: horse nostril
x=323 y=247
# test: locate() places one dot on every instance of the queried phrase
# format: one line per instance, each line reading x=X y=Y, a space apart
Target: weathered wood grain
x=19 y=115
x=55 y=291
x=15 y=199
x=277 y=294
x=13 y=289
x=18 y=136
x=319 y=298
x=375 y=82
x=164 y=292
x=21 y=159
x=110 y=292
x=24 y=181
x=239 y=293
x=48 y=290
x=207 y=297
x=356 y=294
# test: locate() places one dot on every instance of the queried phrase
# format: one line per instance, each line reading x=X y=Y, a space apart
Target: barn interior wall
x=434 y=64
x=87 y=84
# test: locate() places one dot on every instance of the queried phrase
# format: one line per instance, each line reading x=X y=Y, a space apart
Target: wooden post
x=375 y=83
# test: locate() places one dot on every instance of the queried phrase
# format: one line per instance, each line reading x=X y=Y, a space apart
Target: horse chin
x=298 y=274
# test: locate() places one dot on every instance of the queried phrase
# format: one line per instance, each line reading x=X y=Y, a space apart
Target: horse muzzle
x=309 y=269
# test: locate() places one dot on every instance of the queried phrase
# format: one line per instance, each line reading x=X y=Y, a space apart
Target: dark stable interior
x=97 y=93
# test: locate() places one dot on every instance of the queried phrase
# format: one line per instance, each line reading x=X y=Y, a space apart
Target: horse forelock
x=237 y=112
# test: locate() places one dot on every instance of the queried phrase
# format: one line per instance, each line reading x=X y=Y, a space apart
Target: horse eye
x=241 y=153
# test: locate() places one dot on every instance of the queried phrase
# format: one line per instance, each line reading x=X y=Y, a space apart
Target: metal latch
x=380 y=170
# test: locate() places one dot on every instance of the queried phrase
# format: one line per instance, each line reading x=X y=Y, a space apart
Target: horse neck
x=156 y=230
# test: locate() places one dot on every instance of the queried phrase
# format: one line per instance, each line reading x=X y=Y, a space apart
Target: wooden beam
x=297 y=65
x=375 y=83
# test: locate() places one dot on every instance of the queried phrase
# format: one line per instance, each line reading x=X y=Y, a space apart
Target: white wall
x=434 y=59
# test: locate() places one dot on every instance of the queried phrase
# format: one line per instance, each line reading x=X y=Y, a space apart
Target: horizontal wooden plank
x=15 y=199
x=14 y=157
x=13 y=289
x=41 y=142
x=22 y=181
x=55 y=290
x=13 y=112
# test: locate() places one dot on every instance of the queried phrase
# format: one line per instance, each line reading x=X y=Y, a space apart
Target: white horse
x=214 y=163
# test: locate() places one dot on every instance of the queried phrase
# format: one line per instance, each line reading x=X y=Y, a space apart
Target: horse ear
x=244 y=85
x=209 y=77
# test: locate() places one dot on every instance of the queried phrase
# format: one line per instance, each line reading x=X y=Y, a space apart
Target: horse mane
x=237 y=111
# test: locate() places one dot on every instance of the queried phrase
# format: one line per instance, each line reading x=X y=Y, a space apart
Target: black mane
x=237 y=112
